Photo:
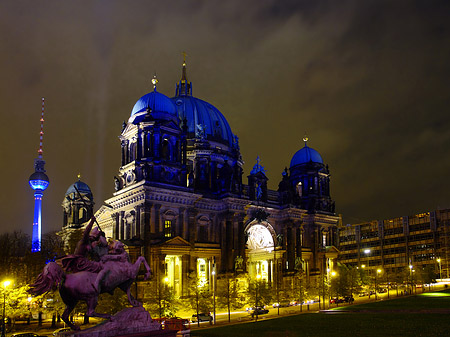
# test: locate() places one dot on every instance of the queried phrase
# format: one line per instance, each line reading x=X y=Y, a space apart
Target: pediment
x=177 y=241
x=332 y=249
x=128 y=128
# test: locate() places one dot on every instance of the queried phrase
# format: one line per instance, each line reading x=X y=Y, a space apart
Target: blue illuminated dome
x=199 y=112
x=156 y=101
x=306 y=155
x=81 y=186
x=38 y=181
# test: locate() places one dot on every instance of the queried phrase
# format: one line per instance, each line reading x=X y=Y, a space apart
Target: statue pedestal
x=130 y=322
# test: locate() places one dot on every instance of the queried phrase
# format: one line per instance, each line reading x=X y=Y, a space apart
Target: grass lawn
x=406 y=316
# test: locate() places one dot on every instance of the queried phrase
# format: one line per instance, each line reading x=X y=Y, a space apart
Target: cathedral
x=183 y=201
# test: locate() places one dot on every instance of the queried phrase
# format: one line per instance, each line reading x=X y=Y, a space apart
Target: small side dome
x=156 y=101
x=81 y=186
x=306 y=155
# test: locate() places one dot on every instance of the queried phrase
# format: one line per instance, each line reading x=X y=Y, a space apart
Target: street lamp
x=378 y=272
x=5 y=284
x=214 y=291
x=410 y=277
x=258 y=277
x=332 y=274
x=440 y=270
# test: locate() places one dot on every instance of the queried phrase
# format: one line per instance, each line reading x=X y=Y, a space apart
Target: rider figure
x=93 y=243
x=117 y=253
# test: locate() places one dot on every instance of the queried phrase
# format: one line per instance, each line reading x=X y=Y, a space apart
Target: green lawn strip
x=363 y=320
x=338 y=324
x=434 y=300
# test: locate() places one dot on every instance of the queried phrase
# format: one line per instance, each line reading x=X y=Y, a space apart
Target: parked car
x=202 y=317
x=258 y=311
x=349 y=299
x=57 y=331
x=26 y=334
x=281 y=304
x=336 y=300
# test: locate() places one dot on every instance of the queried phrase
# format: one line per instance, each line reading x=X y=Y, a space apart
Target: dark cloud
x=367 y=80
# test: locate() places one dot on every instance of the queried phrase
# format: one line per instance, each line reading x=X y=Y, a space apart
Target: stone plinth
x=130 y=322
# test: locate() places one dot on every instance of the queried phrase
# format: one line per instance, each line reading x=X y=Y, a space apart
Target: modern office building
x=180 y=199
x=399 y=244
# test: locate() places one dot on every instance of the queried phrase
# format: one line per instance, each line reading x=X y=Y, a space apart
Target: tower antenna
x=41 y=135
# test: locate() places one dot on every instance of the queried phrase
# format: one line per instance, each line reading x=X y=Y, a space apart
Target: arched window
x=169 y=221
x=168 y=228
x=132 y=152
x=203 y=229
x=82 y=214
x=299 y=189
x=165 y=149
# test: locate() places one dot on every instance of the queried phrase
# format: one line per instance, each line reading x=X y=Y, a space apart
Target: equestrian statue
x=94 y=268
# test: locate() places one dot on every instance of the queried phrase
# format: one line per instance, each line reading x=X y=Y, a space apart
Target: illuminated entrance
x=173 y=273
x=260 y=250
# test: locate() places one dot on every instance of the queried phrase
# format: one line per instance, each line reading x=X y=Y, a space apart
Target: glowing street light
x=440 y=270
x=214 y=290
x=258 y=277
x=6 y=283
x=410 y=277
x=378 y=272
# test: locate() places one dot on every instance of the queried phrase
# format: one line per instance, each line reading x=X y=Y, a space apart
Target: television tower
x=38 y=182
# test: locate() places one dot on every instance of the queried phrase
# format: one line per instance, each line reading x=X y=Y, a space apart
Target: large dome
x=199 y=112
x=81 y=186
x=156 y=101
x=306 y=155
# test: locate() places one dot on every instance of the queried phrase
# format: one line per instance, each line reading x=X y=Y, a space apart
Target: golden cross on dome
x=305 y=138
x=154 y=81
x=79 y=176
x=184 y=58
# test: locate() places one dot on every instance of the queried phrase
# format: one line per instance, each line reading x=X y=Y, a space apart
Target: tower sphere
x=38 y=181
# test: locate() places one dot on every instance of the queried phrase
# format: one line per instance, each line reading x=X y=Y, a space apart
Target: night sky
x=368 y=81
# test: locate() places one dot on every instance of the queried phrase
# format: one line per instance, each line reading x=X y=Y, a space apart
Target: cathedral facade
x=181 y=199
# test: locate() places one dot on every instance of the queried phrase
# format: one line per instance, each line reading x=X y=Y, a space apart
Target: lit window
x=201 y=272
x=168 y=228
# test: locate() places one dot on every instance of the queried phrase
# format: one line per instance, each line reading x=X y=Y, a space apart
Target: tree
x=160 y=301
x=230 y=294
x=299 y=290
x=200 y=296
x=258 y=293
x=16 y=302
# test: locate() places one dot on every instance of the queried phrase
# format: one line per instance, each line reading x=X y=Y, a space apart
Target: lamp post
x=29 y=299
x=258 y=277
x=214 y=291
x=166 y=286
x=5 y=284
x=378 y=272
x=410 y=276
x=440 y=270
x=332 y=274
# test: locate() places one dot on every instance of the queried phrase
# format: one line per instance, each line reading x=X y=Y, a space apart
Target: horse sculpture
x=117 y=272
